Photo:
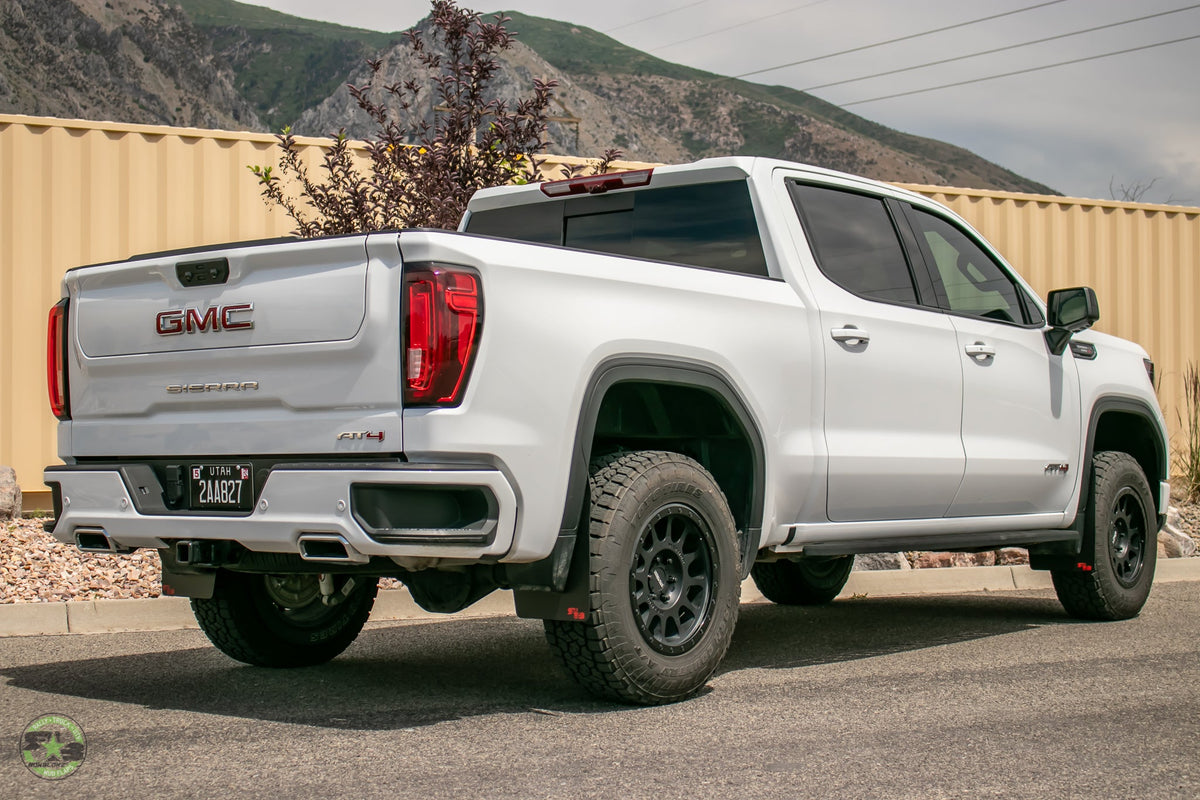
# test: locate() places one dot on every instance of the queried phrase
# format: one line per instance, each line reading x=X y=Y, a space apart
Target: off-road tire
x=664 y=581
x=286 y=624
x=803 y=582
x=1122 y=524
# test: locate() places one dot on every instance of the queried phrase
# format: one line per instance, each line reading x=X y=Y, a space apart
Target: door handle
x=850 y=335
x=980 y=351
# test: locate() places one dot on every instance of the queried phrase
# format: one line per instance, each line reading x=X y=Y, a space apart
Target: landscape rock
x=1174 y=517
x=937 y=560
x=1009 y=556
x=10 y=494
x=1173 y=543
x=877 y=561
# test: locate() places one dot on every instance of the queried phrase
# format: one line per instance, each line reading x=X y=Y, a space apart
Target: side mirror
x=1070 y=311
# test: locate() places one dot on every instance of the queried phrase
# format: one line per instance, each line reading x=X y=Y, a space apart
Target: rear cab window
x=706 y=225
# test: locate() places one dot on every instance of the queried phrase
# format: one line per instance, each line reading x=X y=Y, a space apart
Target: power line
x=901 y=38
x=655 y=16
x=734 y=27
x=1020 y=71
x=999 y=49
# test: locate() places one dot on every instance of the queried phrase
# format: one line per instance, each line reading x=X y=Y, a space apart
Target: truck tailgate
x=276 y=348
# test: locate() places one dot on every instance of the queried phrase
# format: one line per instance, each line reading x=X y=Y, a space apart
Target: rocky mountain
x=123 y=60
x=228 y=64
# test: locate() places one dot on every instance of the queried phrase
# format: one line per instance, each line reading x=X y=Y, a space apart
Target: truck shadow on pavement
x=407 y=676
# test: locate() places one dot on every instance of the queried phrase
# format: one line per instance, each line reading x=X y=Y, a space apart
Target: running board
x=941 y=542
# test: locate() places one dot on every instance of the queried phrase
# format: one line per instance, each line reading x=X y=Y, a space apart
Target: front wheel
x=285 y=620
x=664 y=581
x=1122 y=523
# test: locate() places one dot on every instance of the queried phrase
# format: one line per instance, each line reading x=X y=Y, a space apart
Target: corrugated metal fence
x=75 y=192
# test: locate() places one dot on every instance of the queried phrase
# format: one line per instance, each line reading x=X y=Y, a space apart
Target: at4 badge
x=52 y=746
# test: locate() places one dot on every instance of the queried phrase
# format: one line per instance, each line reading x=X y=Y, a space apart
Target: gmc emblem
x=174 y=321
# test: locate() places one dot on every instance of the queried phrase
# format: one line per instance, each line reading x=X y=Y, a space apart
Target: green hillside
x=215 y=13
x=283 y=64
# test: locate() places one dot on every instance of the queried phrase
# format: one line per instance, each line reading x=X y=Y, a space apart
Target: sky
x=1086 y=129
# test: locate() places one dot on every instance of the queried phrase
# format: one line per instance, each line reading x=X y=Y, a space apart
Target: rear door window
x=855 y=242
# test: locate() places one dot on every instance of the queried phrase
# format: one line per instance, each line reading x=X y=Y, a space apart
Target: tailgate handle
x=212 y=272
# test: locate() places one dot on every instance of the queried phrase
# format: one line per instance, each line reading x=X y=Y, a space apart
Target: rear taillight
x=443 y=313
x=56 y=360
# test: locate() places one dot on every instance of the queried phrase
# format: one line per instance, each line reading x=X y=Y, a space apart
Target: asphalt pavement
x=988 y=694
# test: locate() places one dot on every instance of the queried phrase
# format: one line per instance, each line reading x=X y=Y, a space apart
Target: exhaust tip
x=329 y=547
x=96 y=540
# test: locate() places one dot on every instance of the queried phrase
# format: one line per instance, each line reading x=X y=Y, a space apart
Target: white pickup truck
x=616 y=396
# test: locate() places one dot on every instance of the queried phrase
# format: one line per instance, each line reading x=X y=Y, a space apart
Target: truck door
x=1021 y=422
x=893 y=378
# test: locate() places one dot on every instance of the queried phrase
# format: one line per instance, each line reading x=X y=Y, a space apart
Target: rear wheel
x=1123 y=525
x=663 y=581
x=803 y=582
x=284 y=620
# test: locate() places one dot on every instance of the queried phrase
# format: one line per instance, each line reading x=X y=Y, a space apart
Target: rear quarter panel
x=552 y=316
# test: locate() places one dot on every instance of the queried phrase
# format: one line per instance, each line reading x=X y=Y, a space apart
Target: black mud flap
x=186 y=584
x=571 y=603
x=179 y=580
x=1070 y=556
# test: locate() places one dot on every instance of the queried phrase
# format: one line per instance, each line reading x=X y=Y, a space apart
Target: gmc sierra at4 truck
x=616 y=396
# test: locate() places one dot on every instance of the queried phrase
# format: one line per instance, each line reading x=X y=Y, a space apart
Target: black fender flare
x=548 y=589
x=1128 y=405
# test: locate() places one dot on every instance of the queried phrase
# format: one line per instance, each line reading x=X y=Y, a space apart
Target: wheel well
x=1132 y=433
x=695 y=421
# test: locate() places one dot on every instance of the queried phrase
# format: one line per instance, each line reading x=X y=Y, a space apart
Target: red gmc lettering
x=233 y=317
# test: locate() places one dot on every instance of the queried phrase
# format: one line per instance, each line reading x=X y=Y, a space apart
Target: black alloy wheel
x=670 y=582
x=1127 y=539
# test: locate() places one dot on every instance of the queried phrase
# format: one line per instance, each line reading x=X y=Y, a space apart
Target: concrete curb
x=174 y=613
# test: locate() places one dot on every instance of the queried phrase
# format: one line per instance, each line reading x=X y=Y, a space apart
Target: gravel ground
x=36 y=567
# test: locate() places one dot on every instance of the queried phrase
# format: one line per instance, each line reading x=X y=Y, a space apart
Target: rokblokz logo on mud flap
x=52 y=746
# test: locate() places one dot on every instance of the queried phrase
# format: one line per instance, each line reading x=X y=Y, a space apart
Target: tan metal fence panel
x=76 y=192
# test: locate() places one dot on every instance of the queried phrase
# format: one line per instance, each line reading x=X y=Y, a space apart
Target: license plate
x=221 y=487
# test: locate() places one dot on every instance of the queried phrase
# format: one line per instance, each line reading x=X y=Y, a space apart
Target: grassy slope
x=584 y=51
x=213 y=13
x=303 y=61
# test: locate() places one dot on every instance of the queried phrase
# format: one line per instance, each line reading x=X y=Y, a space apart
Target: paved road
x=922 y=697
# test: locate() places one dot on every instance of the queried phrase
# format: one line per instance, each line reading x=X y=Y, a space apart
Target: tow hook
x=330 y=596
